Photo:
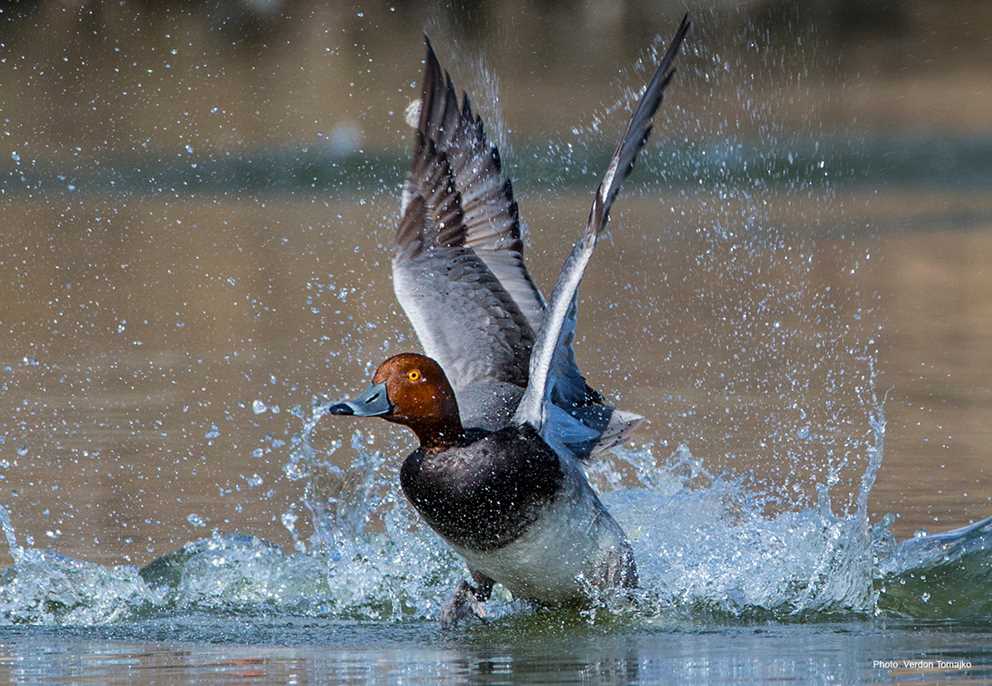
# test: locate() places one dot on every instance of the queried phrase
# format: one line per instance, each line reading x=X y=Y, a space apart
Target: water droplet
x=289 y=520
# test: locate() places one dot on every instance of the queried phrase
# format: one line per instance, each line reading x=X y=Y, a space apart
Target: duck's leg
x=467 y=600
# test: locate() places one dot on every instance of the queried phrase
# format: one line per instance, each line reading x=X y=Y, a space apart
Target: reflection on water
x=313 y=652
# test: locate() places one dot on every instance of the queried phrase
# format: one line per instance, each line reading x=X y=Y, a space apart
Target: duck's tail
x=617 y=430
x=585 y=432
x=559 y=322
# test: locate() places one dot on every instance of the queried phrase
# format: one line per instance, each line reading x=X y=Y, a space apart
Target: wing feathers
x=456 y=197
x=458 y=268
x=552 y=344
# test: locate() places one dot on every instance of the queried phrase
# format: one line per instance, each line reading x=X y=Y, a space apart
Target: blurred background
x=198 y=199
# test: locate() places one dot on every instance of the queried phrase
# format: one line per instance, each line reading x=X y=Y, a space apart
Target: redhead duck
x=502 y=414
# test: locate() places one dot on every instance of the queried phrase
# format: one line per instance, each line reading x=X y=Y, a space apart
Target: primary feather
x=559 y=321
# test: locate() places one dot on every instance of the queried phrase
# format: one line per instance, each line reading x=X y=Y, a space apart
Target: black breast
x=484 y=495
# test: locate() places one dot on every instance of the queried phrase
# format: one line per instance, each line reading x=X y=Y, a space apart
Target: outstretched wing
x=464 y=317
x=490 y=218
x=559 y=317
x=458 y=268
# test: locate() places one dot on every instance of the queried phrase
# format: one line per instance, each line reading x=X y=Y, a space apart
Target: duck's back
x=520 y=515
x=488 y=405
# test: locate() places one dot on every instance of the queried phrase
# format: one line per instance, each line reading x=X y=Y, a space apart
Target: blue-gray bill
x=372 y=402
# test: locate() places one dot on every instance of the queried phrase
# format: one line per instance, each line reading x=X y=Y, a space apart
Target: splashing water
x=705 y=545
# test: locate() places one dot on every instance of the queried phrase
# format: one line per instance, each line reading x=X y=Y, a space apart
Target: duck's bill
x=372 y=402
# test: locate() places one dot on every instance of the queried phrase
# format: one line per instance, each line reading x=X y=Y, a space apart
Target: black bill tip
x=340 y=408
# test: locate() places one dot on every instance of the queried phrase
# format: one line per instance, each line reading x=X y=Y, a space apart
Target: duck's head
x=412 y=390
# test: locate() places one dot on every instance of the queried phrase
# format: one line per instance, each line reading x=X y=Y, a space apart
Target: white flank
x=573 y=544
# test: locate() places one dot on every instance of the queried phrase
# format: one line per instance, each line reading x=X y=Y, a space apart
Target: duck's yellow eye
x=413 y=375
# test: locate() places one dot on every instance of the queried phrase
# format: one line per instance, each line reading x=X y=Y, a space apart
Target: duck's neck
x=437 y=434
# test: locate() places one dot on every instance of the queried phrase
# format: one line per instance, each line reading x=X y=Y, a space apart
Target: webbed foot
x=465 y=602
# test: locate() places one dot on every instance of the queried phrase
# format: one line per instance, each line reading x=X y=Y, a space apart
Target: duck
x=503 y=416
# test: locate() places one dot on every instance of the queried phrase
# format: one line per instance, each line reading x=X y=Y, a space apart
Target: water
x=799 y=309
x=203 y=650
x=807 y=595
